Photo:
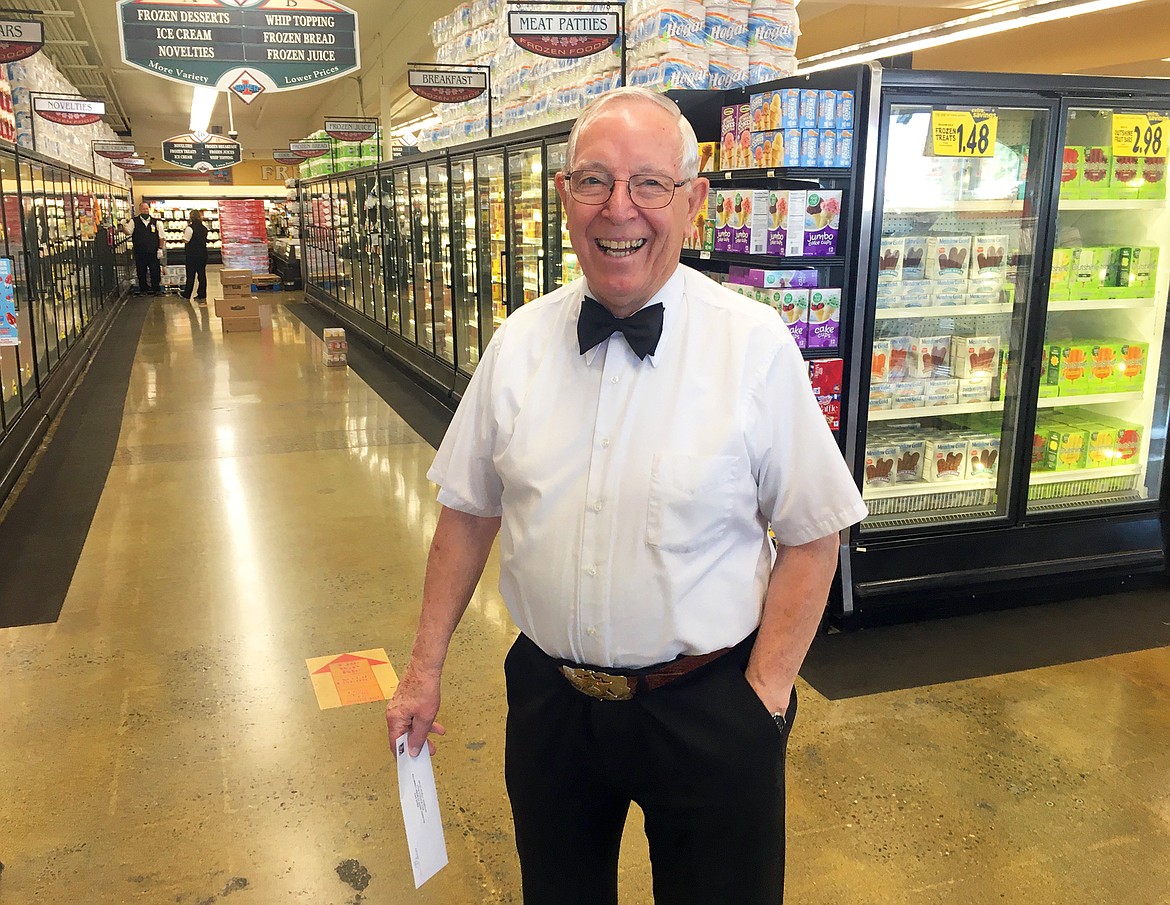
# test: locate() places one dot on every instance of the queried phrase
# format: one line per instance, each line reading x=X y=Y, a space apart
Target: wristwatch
x=781 y=723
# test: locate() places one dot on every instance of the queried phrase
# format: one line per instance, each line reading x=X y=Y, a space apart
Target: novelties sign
x=563 y=35
x=243 y=46
x=444 y=86
x=351 y=129
x=68 y=111
x=114 y=150
x=202 y=151
x=20 y=39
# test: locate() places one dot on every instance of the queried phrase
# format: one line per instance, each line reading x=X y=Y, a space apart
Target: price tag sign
x=963 y=133
x=1140 y=134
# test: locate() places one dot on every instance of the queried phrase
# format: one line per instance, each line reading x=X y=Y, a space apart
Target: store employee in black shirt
x=195 y=237
x=148 y=250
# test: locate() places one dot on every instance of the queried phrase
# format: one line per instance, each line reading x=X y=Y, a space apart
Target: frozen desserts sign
x=244 y=46
x=563 y=35
x=20 y=39
x=201 y=151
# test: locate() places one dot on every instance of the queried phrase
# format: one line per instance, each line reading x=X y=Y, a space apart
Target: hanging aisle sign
x=563 y=35
x=1140 y=134
x=130 y=163
x=286 y=156
x=963 y=133
x=202 y=151
x=242 y=46
x=351 y=129
x=68 y=111
x=308 y=149
x=114 y=150
x=9 y=333
x=445 y=86
x=20 y=39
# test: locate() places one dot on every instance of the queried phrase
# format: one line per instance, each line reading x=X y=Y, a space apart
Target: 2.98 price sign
x=1140 y=134
x=963 y=133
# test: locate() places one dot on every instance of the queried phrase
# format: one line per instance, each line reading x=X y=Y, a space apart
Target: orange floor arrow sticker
x=352 y=678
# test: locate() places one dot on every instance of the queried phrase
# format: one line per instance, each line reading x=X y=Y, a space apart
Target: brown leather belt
x=607 y=686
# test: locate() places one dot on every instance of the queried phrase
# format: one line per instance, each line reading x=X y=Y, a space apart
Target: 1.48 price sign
x=1140 y=134
x=963 y=133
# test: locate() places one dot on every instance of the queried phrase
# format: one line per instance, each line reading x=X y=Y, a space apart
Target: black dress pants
x=196 y=267
x=148 y=269
x=702 y=757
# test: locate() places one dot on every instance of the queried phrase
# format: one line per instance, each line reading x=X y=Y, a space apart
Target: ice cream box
x=889 y=295
x=1072 y=172
x=1095 y=169
x=947 y=257
x=1125 y=177
x=914 y=258
x=743 y=123
x=948 y=396
x=1132 y=360
x=917 y=294
x=708 y=156
x=844 y=109
x=974 y=389
x=793 y=307
x=1062 y=264
x=1064 y=448
x=728 y=135
x=1129 y=439
x=900 y=347
x=1153 y=178
x=822 y=220
x=908 y=401
x=826 y=375
x=809 y=101
x=948 y=295
x=1104 y=365
x=879 y=361
x=766 y=111
x=880 y=396
x=1100 y=446
x=988 y=257
x=946 y=459
x=772 y=221
x=791 y=147
x=982 y=457
x=758 y=276
x=930 y=356
x=831 y=408
x=767 y=149
x=890 y=254
x=907 y=389
x=844 y=148
x=974 y=356
x=826 y=110
x=1048 y=391
x=1087 y=273
x=810 y=143
x=827 y=148
x=910 y=457
x=701 y=236
x=879 y=465
x=733 y=221
x=824 y=318
x=1068 y=367
x=1140 y=272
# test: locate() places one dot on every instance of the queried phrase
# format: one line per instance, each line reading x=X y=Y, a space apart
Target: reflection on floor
x=161 y=741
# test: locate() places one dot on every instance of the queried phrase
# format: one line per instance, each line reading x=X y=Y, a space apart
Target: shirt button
x=591 y=571
x=614 y=379
x=591 y=632
x=605 y=443
x=597 y=506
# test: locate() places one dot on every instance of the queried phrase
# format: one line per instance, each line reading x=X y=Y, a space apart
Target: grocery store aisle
x=161 y=740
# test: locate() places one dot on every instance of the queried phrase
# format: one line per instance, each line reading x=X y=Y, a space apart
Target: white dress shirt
x=636 y=495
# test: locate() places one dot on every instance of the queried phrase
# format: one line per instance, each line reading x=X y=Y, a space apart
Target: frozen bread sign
x=243 y=46
x=201 y=151
x=563 y=35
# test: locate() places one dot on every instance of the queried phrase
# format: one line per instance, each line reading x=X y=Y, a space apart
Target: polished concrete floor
x=161 y=741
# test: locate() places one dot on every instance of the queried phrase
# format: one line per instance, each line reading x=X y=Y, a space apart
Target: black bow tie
x=642 y=329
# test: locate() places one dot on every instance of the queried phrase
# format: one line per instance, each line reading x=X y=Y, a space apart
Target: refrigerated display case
x=464 y=270
x=526 y=213
x=405 y=254
x=562 y=260
x=493 y=242
x=439 y=227
x=420 y=234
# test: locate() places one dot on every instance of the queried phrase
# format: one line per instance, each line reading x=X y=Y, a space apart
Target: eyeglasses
x=648 y=192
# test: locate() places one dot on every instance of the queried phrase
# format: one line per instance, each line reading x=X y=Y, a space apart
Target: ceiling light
x=202 y=104
x=415 y=125
x=998 y=18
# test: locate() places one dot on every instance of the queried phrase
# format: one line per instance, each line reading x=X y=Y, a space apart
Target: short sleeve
x=463 y=467
x=805 y=489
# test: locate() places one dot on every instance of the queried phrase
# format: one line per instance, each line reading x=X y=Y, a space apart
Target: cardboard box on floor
x=240 y=306
x=235 y=283
x=241 y=324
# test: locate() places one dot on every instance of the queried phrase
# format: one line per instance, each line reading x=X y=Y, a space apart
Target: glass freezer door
x=953 y=269
x=493 y=242
x=562 y=260
x=405 y=251
x=421 y=244
x=440 y=239
x=463 y=263
x=526 y=191
x=1102 y=407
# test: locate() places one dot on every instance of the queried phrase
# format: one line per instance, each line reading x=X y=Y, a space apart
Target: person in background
x=146 y=239
x=195 y=239
x=631 y=436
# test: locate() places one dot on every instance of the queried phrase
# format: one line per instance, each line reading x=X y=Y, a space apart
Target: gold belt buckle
x=600 y=685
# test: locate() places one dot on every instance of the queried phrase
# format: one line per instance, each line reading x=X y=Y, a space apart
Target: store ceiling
x=83 y=42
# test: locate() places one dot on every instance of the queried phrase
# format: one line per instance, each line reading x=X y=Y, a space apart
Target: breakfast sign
x=243 y=46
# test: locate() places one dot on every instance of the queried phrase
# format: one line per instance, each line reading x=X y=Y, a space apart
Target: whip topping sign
x=68 y=111
x=444 y=86
x=563 y=35
x=243 y=46
x=20 y=39
x=202 y=151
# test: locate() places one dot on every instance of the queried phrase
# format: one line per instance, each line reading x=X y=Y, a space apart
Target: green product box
x=1104 y=364
x=1125 y=177
x=1048 y=391
x=1141 y=273
x=1132 y=358
x=1087 y=272
x=1095 y=172
x=1100 y=445
x=1062 y=262
x=1121 y=266
x=1072 y=172
x=1068 y=367
x=1129 y=439
x=1064 y=448
x=1153 y=178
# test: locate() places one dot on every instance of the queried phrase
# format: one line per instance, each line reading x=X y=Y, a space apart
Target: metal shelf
x=932 y=411
x=1097 y=304
x=762 y=260
x=1113 y=204
x=1051 y=402
x=996 y=206
x=941 y=311
x=805 y=174
x=1058 y=477
x=922 y=488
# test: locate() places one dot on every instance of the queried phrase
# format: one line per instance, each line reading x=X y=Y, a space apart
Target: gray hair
x=688 y=143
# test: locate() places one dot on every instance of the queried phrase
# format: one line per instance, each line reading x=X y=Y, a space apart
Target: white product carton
x=975 y=356
x=947 y=257
x=946 y=460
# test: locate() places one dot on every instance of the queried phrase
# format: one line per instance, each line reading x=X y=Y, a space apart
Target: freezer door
x=526 y=197
x=491 y=226
x=953 y=269
x=1099 y=439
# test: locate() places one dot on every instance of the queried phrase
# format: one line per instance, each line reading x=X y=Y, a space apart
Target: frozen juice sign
x=9 y=336
x=233 y=45
x=563 y=35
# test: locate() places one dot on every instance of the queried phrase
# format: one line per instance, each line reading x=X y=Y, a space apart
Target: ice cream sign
x=963 y=133
x=243 y=46
x=9 y=335
x=563 y=35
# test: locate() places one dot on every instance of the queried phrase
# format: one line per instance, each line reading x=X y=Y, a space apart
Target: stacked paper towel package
x=342 y=156
x=68 y=144
x=718 y=44
x=7 y=114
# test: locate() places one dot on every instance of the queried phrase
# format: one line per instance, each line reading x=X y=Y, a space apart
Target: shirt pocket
x=690 y=500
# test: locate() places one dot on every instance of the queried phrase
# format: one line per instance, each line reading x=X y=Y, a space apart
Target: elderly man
x=147 y=242
x=631 y=436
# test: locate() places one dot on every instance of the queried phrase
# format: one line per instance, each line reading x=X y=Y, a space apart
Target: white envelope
x=420 y=812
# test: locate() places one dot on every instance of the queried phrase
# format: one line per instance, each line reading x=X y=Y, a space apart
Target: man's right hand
x=413 y=708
